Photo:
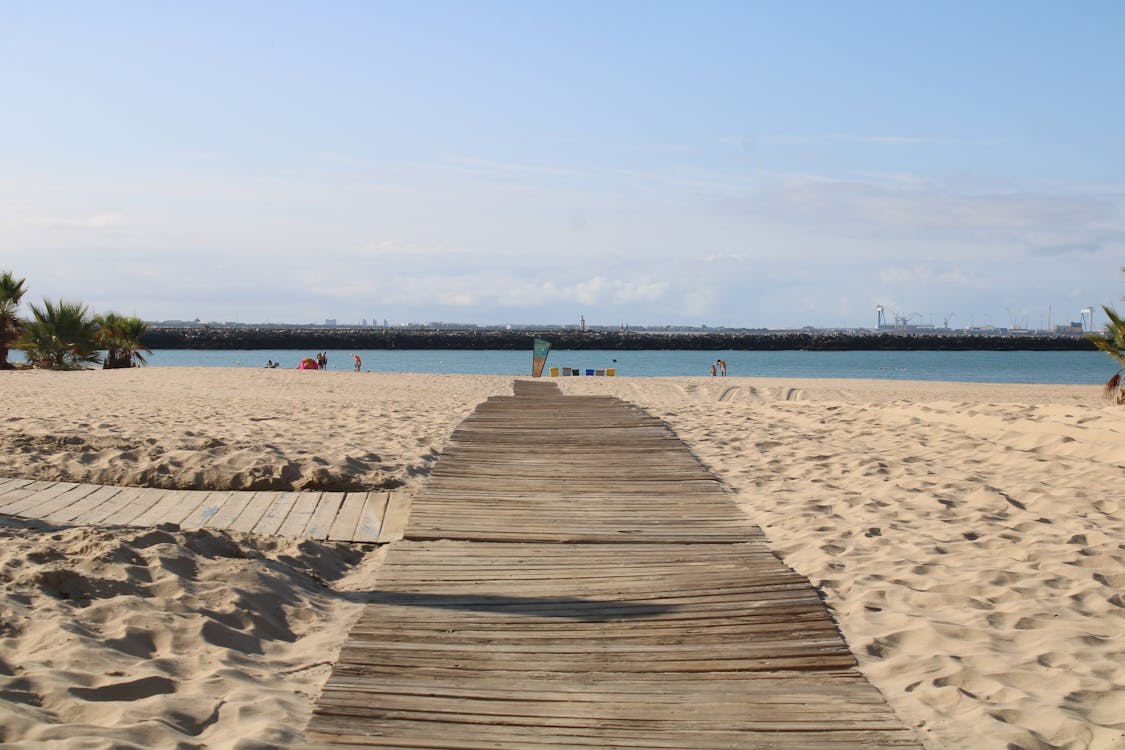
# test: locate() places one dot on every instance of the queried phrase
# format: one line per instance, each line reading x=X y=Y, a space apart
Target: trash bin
x=554 y=372
x=589 y=372
x=610 y=371
x=599 y=372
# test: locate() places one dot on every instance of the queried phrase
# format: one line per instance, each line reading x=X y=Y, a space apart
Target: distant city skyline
x=737 y=164
x=1086 y=322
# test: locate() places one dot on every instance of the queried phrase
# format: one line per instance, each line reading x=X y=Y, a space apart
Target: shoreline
x=967 y=538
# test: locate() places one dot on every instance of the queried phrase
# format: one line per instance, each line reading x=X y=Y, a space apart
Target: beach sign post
x=539 y=357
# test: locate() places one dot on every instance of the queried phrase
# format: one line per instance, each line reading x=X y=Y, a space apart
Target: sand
x=968 y=538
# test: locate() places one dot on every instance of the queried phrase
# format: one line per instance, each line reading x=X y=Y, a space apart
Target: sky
x=741 y=164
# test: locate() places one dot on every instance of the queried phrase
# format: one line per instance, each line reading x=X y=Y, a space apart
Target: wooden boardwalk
x=572 y=577
x=333 y=516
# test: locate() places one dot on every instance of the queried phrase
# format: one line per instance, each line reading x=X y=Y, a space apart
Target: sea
x=1080 y=368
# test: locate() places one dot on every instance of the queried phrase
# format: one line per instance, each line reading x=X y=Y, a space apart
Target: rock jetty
x=317 y=338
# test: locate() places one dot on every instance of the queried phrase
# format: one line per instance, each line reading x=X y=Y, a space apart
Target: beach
x=969 y=539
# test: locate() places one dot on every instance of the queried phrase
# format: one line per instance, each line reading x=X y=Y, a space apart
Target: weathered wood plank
x=211 y=504
x=370 y=522
x=325 y=514
x=10 y=483
x=85 y=505
x=16 y=491
x=140 y=502
x=32 y=496
x=254 y=511
x=395 y=517
x=44 y=508
x=232 y=507
x=169 y=506
x=117 y=502
x=274 y=516
x=300 y=514
x=347 y=518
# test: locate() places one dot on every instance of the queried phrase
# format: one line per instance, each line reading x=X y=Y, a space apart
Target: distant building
x=331 y=322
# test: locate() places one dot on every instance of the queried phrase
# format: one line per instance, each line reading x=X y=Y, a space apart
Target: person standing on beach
x=712 y=370
x=722 y=368
x=358 y=362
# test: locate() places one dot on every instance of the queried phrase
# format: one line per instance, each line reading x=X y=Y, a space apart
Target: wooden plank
x=211 y=504
x=11 y=483
x=232 y=507
x=395 y=517
x=324 y=516
x=117 y=502
x=15 y=492
x=274 y=516
x=61 y=502
x=300 y=514
x=186 y=505
x=169 y=507
x=370 y=522
x=140 y=503
x=343 y=527
x=85 y=505
x=253 y=512
x=35 y=494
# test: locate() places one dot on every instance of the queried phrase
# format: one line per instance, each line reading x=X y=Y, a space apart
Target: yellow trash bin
x=610 y=371
x=554 y=372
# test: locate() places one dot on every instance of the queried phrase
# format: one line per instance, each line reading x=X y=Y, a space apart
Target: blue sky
x=740 y=164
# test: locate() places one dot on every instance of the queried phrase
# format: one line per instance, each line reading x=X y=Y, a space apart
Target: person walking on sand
x=358 y=362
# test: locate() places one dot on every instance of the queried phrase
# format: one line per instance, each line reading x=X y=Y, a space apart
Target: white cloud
x=406 y=249
x=932 y=210
x=699 y=302
x=923 y=274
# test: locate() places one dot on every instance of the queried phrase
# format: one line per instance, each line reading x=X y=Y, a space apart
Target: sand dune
x=970 y=540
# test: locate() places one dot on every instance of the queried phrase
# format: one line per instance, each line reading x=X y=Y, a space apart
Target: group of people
x=719 y=368
x=319 y=363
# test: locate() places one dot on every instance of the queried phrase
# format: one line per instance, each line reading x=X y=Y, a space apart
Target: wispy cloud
x=748 y=142
x=865 y=206
x=924 y=274
x=914 y=140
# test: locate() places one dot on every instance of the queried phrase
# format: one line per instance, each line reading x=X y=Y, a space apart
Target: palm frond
x=1113 y=385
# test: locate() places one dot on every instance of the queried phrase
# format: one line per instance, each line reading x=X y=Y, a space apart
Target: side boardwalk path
x=573 y=577
x=332 y=516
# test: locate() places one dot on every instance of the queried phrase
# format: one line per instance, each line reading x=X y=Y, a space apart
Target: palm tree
x=1112 y=342
x=11 y=291
x=61 y=335
x=121 y=338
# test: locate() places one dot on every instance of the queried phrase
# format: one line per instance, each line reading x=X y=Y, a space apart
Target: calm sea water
x=984 y=367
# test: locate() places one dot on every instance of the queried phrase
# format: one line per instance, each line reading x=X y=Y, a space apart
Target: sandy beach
x=968 y=538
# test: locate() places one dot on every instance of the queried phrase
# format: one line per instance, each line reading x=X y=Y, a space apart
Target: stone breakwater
x=250 y=337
